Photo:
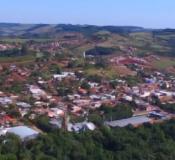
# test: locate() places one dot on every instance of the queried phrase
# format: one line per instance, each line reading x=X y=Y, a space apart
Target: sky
x=145 y=13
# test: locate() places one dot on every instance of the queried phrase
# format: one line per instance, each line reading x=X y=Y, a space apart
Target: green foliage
x=13 y=111
x=168 y=107
x=55 y=69
x=101 y=62
x=96 y=119
x=100 y=51
x=94 y=78
x=16 y=88
x=118 y=112
x=85 y=85
x=132 y=80
x=8 y=157
x=148 y=142
x=9 y=147
x=76 y=63
x=64 y=91
x=15 y=52
x=10 y=53
x=24 y=49
x=42 y=122
x=113 y=84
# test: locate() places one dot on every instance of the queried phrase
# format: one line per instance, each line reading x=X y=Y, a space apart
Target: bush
x=118 y=112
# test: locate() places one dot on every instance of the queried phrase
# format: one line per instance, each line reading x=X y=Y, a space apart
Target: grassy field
x=22 y=40
x=164 y=63
x=107 y=73
x=18 y=60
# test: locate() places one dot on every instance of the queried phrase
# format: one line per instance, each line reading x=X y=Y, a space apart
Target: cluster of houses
x=59 y=109
x=6 y=46
x=47 y=46
x=125 y=60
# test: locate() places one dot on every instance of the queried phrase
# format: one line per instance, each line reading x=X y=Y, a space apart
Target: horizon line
x=108 y=25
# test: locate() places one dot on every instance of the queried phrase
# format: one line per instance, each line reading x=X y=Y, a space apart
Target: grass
x=106 y=73
x=20 y=59
x=23 y=40
x=164 y=63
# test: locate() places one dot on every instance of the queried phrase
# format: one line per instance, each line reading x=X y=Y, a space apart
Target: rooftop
x=133 y=121
x=23 y=131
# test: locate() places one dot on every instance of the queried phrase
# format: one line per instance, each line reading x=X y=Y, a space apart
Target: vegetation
x=18 y=59
x=168 y=107
x=15 y=52
x=85 y=85
x=96 y=74
x=55 y=69
x=118 y=112
x=147 y=142
x=100 y=51
x=42 y=122
x=132 y=80
x=164 y=63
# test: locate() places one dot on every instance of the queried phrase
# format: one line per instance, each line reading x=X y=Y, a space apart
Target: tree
x=96 y=119
x=10 y=145
x=118 y=112
x=42 y=122
x=8 y=157
x=24 y=49
x=13 y=111
x=55 y=69
x=101 y=62
x=85 y=85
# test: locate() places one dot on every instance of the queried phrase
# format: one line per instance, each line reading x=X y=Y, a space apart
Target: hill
x=143 y=41
x=16 y=29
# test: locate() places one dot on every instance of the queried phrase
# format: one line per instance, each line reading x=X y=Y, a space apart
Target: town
x=81 y=93
x=87 y=80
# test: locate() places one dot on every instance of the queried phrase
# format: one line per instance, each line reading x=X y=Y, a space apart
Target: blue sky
x=146 y=13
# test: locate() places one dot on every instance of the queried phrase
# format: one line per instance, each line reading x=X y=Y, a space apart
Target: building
x=24 y=132
x=134 y=121
x=83 y=126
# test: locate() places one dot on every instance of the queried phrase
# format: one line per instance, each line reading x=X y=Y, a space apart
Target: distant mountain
x=47 y=30
x=13 y=29
x=85 y=37
x=164 y=32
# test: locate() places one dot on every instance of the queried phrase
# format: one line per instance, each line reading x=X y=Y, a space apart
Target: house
x=41 y=104
x=23 y=105
x=134 y=121
x=37 y=92
x=3 y=131
x=75 y=109
x=95 y=97
x=96 y=104
x=81 y=102
x=63 y=75
x=93 y=84
x=127 y=98
x=142 y=105
x=164 y=96
x=6 y=120
x=56 y=123
x=72 y=97
x=13 y=67
x=157 y=115
x=82 y=91
x=83 y=126
x=5 y=100
x=144 y=94
x=55 y=112
x=150 y=80
x=109 y=96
